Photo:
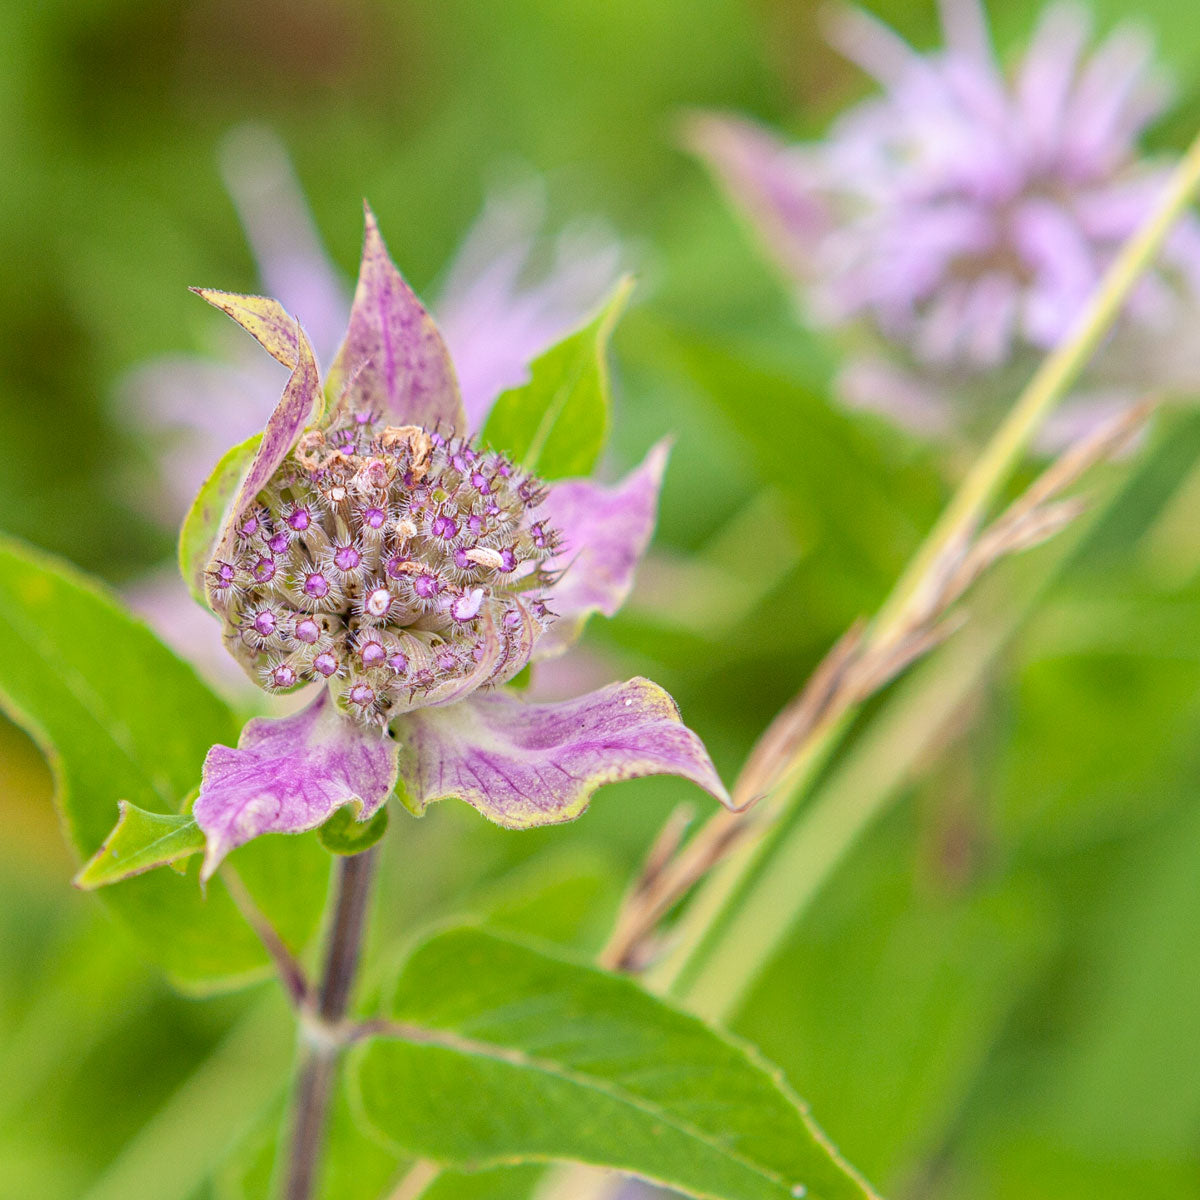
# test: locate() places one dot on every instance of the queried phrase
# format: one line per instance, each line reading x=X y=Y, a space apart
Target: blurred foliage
x=995 y=997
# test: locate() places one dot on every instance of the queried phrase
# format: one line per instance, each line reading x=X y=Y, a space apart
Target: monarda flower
x=496 y=309
x=961 y=217
x=373 y=551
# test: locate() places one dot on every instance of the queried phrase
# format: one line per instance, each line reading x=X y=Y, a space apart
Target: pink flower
x=366 y=546
x=963 y=215
x=496 y=313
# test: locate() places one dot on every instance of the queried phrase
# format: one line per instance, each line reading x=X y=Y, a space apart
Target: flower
x=373 y=549
x=495 y=312
x=962 y=217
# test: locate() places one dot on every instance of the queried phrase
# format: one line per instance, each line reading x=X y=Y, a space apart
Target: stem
x=287 y=966
x=314 y=1085
x=322 y=1047
x=746 y=902
x=345 y=939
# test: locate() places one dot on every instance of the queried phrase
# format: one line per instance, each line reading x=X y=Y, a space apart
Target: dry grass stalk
x=861 y=663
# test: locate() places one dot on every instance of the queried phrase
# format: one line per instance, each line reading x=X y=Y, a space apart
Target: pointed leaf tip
x=556 y=424
x=264 y=319
x=140 y=841
x=393 y=359
x=524 y=765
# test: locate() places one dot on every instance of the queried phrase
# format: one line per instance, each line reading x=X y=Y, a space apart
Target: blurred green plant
x=1015 y=931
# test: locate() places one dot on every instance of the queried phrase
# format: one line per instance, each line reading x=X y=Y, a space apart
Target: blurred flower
x=376 y=551
x=496 y=309
x=961 y=217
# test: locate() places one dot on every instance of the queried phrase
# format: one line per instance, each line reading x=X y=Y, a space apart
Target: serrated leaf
x=202 y=525
x=120 y=717
x=139 y=842
x=343 y=834
x=556 y=424
x=506 y=1054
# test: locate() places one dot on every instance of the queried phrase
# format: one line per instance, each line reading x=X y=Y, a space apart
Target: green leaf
x=556 y=423
x=505 y=1054
x=342 y=834
x=202 y=525
x=120 y=717
x=501 y=1183
x=522 y=679
x=140 y=841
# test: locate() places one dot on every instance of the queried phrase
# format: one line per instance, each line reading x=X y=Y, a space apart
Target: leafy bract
x=556 y=423
x=264 y=319
x=505 y=1054
x=202 y=525
x=120 y=717
x=139 y=842
x=343 y=834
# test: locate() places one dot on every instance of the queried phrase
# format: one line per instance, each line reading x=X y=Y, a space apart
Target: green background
x=995 y=996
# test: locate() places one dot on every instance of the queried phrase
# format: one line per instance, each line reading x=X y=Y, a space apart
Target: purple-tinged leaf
x=394 y=360
x=289 y=774
x=538 y=764
x=605 y=532
x=261 y=317
x=299 y=406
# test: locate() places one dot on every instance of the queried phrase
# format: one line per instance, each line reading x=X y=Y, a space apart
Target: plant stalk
x=321 y=1048
x=741 y=903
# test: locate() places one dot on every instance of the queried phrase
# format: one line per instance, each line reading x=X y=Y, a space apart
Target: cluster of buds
x=400 y=566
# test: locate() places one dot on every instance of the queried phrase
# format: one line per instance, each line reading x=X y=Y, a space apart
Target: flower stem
x=287 y=966
x=355 y=872
x=744 y=903
x=321 y=1047
x=1058 y=371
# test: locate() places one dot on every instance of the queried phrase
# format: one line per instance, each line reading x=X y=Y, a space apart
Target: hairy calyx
x=399 y=566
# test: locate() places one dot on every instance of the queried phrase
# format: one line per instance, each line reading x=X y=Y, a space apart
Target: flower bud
x=383 y=557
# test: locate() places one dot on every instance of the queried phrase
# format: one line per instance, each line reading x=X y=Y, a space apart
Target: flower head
x=397 y=565
x=496 y=312
x=963 y=215
x=370 y=547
